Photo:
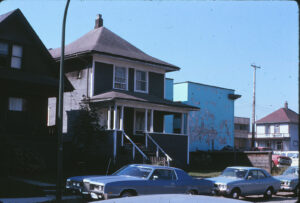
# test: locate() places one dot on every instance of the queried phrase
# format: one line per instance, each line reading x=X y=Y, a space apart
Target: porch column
x=188 y=139
x=146 y=121
x=121 y=118
x=108 y=117
x=146 y=127
x=182 y=124
x=151 y=121
x=115 y=117
x=115 y=131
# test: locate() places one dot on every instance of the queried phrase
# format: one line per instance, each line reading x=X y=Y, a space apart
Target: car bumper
x=217 y=191
x=286 y=188
x=101 y=195
x=73 y=190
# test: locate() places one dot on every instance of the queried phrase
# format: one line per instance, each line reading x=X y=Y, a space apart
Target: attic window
x=16 y=58
x=120 y=78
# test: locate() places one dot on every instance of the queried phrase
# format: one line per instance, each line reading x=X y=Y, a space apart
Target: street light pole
x=253 y=107
x=60 y=111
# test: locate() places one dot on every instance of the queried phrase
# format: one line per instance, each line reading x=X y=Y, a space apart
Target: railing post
x=146 y=140
x=122 y=139
x=109 y=117
x=133 y=152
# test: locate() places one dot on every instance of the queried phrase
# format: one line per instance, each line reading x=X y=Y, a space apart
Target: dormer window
x=120 y=78
x=16 y=58
x=141 y=81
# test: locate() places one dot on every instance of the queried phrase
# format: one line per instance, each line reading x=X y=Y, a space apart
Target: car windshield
x=292 y=155
x=234 y=172
x=291 y=171
x=136 y=171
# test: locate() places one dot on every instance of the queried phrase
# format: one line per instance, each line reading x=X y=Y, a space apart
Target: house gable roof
x=282 y=115
x=102 y=40
x=8 y=18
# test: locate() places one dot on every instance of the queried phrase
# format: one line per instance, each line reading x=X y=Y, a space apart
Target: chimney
x=286 y=105
x=98 y=21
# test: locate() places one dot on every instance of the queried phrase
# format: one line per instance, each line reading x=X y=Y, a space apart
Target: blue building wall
x=212 y=127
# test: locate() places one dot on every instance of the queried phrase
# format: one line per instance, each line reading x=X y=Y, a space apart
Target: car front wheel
x=268 y=194
x=235 y=194
x=127 y=194
x=296 y=191
x=192 y=192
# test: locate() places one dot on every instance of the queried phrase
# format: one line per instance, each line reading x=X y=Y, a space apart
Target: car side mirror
x=154 y=177
x=249 y=178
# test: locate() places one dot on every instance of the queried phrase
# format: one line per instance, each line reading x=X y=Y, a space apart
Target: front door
x=162 y=181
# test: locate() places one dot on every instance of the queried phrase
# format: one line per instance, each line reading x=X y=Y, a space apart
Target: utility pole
x=60 y=111
x=253 y=106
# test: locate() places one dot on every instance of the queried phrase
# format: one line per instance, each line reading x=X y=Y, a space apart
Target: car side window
x=260 y=175
x=163 y=174
x=252 y=175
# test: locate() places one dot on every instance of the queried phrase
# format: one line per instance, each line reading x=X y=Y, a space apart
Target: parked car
x=141 y=179
x=278 y=160
x=290 y=180
x=294 y=155
x=239 y=181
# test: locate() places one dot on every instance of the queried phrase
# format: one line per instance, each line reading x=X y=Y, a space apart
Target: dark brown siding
x=131 y=79
x=156 y=84
x=103 y=78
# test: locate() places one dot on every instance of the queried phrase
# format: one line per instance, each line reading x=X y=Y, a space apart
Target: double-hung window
x=11 y=55
x=141 y=81
x=16 y=58
x=16 y=104
x=120 y=78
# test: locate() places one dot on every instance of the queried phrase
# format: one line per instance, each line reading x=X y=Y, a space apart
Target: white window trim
x=147 y=81
x=126 y=68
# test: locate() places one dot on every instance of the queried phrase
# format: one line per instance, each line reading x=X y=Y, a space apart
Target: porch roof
x=140 y=97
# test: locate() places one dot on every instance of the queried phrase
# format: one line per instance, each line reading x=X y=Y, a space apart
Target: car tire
x=126 y=194
x=235 y=193
x=268 y=194
x=192 y=192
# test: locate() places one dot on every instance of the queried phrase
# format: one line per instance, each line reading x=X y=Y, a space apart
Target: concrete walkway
x=36 y=199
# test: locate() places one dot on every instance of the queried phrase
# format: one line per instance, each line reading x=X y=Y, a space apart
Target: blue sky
x=214 y=42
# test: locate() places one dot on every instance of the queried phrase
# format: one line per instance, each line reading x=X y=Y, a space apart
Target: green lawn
x=204 y=173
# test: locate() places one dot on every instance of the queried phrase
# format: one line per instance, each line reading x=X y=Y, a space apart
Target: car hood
x=80 y=178
x=223 y=179
x=109 y=179
x=288 y=177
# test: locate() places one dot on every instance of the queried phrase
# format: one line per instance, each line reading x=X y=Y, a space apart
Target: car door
x=251 y=183
x=263 y=181
x=162 y=181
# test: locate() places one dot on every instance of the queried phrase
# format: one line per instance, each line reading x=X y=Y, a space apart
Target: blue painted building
x=212 y=127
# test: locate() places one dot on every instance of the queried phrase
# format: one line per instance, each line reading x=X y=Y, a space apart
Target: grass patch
x=204 y=173
x=12 y=188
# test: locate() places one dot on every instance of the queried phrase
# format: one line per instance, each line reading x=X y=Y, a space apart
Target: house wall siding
x=294 y=133
x=156 y=84
x=103 y=77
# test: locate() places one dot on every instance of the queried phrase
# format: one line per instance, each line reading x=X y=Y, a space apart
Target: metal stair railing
x=158 y=148
x=134 y=146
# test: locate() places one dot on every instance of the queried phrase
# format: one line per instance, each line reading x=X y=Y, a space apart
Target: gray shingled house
x=128 y=88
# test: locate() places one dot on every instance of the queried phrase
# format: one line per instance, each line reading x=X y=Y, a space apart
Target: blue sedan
x=141 y=179
x=243 y=181
x=290 y=180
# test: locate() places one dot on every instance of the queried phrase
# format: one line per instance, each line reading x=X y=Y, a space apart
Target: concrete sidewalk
x=39 y=199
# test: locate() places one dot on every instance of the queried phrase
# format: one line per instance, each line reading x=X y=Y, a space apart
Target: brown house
x=28 y=78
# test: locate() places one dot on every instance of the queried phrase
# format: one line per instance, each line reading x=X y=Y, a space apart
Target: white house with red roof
x=279 y=130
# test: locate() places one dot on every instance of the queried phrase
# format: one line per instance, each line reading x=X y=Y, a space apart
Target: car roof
x=245 y=167
x=153 y=166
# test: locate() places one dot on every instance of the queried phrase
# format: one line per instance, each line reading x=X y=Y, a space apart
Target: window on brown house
x=16 y=104
x=16 y=58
